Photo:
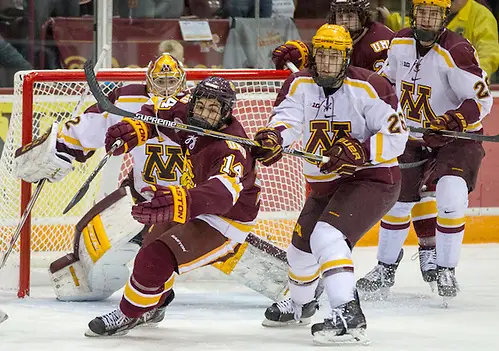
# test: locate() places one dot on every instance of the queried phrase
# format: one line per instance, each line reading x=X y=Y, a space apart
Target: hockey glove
x=271 y=146
x=132 y=132
x=294 y=51
x=450 y=121
x=169 y=204
x=345 y=155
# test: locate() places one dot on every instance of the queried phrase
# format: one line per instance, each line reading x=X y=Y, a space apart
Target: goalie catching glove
x=271 y=146
x=451 y=120
x=294 y=51
x=132 y=132
x=40 y=159
x=345 y=155
x=169 y=204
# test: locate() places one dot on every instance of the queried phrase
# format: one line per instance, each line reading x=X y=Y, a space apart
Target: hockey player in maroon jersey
x=370 y=39
x=215 y=207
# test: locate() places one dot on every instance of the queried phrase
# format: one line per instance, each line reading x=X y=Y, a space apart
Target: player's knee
x=452 y=196
x=400 y=210
x=328 y=244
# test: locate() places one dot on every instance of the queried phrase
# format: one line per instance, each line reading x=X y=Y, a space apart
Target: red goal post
x=43 y=96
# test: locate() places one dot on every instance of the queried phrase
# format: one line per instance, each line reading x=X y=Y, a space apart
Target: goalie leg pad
x=260 y=266
x=97 y=267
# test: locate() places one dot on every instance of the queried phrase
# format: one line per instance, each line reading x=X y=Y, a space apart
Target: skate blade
x=446 y=301
x=3 y=317
x=291 y=324
x=380 y=295
x=352 y=337
x=89 y=333
x=433 y=286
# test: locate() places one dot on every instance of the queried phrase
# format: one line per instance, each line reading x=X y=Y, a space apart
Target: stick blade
x=78 y=196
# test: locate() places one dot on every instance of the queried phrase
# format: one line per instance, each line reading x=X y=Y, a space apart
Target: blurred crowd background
x=55 y=34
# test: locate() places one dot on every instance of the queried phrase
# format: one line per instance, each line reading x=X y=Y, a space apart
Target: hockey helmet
x=428 y=19
x=332 y=47
x=165 y=76
x=211 y=103
x=341 y=13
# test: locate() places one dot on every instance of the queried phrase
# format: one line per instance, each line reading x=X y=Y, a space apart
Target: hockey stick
x=24 y=216
x=459 y=135
x=86 y=185
x=108 y=106
x=42 y=182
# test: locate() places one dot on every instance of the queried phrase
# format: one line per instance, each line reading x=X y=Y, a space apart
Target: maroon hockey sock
x=154 y=265
x=425 y=228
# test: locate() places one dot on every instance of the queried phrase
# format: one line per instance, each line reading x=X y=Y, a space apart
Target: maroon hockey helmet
x=360 y=7
x=211 y=104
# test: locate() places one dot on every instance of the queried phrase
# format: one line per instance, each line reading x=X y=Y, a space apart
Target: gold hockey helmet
x=428 y=19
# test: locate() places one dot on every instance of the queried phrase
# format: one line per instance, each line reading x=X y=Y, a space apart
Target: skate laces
x=289 y=306
x=427 y=260
x=337 y=315
x=115 y=319
x=376 y=273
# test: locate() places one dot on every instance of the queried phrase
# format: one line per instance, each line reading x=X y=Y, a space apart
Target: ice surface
x=226 y=316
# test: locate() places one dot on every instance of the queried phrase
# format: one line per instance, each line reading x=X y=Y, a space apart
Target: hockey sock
x=151 y=281
x=452 y=201
x=393 y=231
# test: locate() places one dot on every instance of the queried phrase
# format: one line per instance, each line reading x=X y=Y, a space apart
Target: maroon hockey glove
x=271 y=151
x=345 y=155
x=169 y=204
x=132 y=132
x=294 y=51
x=449 y=121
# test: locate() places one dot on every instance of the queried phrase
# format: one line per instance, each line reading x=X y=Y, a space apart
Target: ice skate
x=376 y=284
x=428 y=266
x=155 y=316
x=447 y=284
x=346 y=325
x=282 y=313
x=114 y=323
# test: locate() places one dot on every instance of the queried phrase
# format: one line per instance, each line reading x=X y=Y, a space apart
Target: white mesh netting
x=283 y=190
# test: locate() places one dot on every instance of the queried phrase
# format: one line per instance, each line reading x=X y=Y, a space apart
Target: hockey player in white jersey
x=440 y=86
x=351 y=115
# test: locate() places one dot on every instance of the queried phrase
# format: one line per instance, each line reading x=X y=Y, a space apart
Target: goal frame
x=127 y=75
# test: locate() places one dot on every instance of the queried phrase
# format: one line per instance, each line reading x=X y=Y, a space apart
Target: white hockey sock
x=304 y=272
x=452 y=201
x=340 y=288
x=393 y=231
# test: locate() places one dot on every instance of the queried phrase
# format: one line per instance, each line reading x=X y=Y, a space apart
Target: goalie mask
x=211 y=103
x=428 y=20
x=352 y=14
x=165 y=76
x=332 y=47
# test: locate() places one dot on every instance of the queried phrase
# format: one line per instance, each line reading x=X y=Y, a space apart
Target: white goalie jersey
x=447 y=79
x=364 y=107
x=155 y=162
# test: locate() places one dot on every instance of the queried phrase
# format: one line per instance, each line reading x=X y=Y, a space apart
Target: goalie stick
x=86 y=185
x=108 y=106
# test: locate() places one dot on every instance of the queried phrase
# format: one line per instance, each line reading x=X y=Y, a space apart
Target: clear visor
x=429 y=17
x=329 y=62
x=209 y=110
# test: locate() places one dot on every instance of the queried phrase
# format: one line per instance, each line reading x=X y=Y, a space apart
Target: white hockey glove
x=40 y=159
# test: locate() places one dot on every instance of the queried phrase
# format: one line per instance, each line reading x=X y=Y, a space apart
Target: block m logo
x=420 y=110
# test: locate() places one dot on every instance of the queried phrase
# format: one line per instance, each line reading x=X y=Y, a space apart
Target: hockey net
x=41 y=97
